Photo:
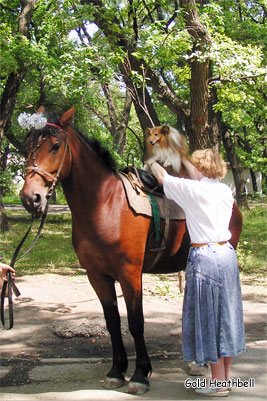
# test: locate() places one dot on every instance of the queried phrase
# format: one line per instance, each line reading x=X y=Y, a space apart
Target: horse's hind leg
x=132 y=291
x=105 y=290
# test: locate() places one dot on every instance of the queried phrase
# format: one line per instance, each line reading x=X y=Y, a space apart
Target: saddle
x=143 y=180
x=145 y=196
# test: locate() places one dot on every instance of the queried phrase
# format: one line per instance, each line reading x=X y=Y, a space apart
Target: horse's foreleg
x=105 y=290
x=132 y=291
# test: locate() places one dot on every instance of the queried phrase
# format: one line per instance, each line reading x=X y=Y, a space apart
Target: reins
x=9 y=285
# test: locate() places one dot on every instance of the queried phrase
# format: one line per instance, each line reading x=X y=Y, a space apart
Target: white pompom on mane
x=28 y=121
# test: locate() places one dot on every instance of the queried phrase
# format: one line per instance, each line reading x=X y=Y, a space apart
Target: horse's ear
x=40 y=109
x=67 y=117
x=165 y=129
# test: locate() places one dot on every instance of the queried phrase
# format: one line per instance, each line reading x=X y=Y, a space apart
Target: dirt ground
x=61 y=317
x=59 y=343
x=59 y=348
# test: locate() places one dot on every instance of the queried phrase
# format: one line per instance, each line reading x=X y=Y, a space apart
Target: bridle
x=35 y=169
x=9 y=284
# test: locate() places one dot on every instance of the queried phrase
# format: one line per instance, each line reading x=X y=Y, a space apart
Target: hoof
x=137 y=388
x=197 y=370
x=112 y=383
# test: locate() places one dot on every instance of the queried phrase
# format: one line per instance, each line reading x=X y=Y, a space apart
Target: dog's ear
x=147 y=131
x=40 y=109
x=165 y=129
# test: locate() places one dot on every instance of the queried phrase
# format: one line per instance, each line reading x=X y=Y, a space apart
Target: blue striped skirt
x=213 y=324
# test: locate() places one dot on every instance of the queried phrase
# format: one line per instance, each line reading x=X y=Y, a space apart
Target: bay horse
x=110 y=240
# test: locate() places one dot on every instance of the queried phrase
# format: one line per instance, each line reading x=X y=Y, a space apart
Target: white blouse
x=207 y=205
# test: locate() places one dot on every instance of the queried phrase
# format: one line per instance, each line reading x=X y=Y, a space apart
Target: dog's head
x=157 y=136
x=166 y=145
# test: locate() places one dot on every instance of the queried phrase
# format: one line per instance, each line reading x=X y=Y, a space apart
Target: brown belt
x=212 y=243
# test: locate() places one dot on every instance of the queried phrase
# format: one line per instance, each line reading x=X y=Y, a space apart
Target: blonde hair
x=210 y=163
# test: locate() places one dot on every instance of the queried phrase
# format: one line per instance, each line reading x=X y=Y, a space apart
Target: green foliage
x=70 y=65
x=238 y=61
x=10 y=176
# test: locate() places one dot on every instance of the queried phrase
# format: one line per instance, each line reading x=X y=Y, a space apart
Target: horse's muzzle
x=34 y=203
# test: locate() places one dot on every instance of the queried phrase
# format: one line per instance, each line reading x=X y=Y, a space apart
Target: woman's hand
x=158 y=171
x=4 y=269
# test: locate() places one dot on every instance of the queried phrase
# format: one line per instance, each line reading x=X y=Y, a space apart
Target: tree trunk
x=145 y=110
x=4 y=226
x=7 y=106
x=117 y=126
x=199 y=106
x=253 y=180
x=237 y=168
x=201 y=136
x=8 y=101
x=141 y=98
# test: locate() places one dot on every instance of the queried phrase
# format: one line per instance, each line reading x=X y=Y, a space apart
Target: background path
x=59 y=348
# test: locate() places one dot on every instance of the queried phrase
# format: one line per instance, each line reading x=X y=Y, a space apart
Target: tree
x=143 y=66
x=196 y=65
x=13 y=81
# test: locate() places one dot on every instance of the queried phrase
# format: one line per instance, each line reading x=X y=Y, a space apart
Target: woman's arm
x=192 y=171
x=190 y=168
x=158 y=171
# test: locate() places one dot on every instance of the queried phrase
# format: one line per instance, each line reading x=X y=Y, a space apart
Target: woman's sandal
x=212 y=392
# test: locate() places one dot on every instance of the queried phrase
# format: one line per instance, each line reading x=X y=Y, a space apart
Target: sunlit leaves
x=232 y=60
x=73 y=57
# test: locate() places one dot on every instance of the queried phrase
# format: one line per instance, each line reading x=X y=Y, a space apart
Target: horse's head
x=49 y=158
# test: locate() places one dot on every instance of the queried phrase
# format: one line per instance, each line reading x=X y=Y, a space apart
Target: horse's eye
x=55 y=147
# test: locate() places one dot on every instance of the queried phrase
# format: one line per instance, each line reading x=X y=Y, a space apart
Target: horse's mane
x=103 y=153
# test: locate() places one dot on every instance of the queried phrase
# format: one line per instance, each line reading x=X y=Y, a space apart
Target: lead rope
x=9 y=284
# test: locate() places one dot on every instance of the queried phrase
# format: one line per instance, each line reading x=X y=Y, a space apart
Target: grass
x=14 y=198
x=53 y=252
x=252 y=246
x=251 y=251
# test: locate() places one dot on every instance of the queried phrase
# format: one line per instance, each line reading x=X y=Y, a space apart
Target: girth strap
x=164 y=238
x=156 y=216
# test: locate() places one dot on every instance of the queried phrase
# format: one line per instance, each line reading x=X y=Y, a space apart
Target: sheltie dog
x=166 y=145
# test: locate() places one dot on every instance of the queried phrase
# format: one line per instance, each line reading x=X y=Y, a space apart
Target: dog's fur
x=166 y=145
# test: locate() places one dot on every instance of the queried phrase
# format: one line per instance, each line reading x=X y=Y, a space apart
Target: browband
x=55 y=125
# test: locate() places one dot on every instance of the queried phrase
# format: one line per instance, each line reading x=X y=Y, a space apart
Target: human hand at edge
x=4 y=269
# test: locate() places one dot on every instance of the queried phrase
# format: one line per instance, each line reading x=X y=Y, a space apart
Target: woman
x=213 y=328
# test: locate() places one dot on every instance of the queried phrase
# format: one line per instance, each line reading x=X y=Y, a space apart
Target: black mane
x=103 y=153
